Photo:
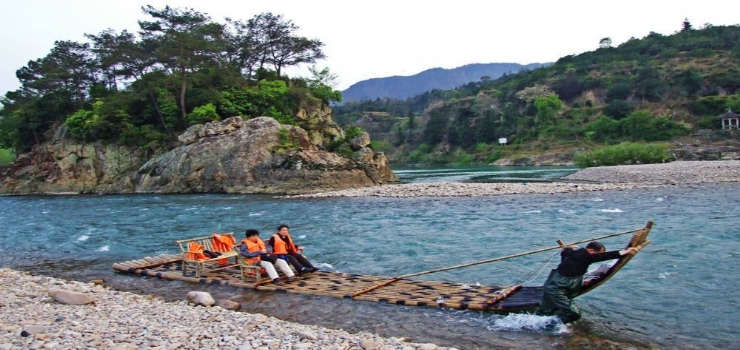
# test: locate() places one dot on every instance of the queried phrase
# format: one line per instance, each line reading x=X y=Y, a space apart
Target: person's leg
x=547 y=306
x=296 y=264
x=284 y=268
x=561 y=291
x=271 y=271
x=303 y=261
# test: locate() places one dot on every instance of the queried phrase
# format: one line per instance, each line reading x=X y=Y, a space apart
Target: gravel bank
x=30 y=319
x=611 y=178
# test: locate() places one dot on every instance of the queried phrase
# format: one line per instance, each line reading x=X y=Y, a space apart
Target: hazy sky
x=378 y=38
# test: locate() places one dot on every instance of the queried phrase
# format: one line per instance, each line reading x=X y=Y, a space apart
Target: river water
x=679 y=292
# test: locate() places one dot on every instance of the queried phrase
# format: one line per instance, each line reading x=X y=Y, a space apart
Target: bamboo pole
x=394 y=279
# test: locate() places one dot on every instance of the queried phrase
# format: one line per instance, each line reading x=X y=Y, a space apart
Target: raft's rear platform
x=344 y=285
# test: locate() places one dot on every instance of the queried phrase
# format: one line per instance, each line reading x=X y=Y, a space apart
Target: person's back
x=566 y=280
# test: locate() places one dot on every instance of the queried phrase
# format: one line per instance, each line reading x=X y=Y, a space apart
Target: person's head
x=282 y=229
x=595 y=247
x=252 y=234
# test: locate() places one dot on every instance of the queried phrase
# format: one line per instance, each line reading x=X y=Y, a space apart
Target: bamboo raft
x=394 y=290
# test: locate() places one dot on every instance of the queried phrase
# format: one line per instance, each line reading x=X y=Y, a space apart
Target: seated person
x=254 y=251
x=283 y=247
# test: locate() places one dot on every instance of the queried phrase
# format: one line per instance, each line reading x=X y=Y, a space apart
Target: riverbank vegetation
x=6 y=156
x=650 y=90
x=182 y=68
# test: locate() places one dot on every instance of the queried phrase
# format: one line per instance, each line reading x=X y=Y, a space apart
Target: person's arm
x=246 y=253
x=614 y=254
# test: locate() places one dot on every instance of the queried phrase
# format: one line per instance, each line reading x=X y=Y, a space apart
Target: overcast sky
x=367 y=39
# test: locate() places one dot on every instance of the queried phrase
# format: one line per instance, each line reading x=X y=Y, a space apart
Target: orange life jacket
x=223 y=244
x=253 y=247
x=281 y=247
x=195 y=252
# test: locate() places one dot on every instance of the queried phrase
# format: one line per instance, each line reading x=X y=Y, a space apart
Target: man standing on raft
x=565 y=281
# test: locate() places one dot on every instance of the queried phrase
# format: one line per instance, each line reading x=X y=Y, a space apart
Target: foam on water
x=611 y=210
x=529 y=322
x=83 y=238
x=104 y=248
x=532 y=212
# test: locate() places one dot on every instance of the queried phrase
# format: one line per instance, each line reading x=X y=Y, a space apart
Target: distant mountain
x=403 y=87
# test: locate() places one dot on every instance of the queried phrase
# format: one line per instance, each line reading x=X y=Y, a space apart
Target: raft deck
x=344 y=285
x=393 y=290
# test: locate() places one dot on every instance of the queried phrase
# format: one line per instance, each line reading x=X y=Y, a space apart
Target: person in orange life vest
x=254 y=251
x=283 y=247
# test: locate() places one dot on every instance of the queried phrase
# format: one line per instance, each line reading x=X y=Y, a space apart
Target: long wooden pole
x=394 y=279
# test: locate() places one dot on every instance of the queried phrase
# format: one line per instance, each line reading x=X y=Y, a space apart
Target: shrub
x=203 y=114
x=6 y=156
x=624 y=153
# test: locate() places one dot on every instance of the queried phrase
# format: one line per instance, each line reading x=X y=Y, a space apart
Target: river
x=677 y=293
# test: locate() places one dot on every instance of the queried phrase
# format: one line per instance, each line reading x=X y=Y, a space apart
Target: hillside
x=403 y=87
x=657 y=89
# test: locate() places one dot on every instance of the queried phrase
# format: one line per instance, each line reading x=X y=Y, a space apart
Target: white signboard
x=502 y=141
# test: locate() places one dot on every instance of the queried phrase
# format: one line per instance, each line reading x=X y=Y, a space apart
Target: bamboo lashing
x=502 y=294
x=394 y=279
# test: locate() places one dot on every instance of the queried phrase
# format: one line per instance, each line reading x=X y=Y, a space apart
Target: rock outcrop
x=258 y=155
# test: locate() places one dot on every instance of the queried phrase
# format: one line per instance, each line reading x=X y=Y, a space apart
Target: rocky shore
x=33 y=319
x=610 y=178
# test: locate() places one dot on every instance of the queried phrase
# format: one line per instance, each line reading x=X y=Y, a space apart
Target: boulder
x=228 y=304
x=258 y=155
x=200 y=298
x=70 y=298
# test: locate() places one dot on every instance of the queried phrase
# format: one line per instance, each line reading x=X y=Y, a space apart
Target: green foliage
x=285 y=141
x=144 y=136
x=638 y=126
x=271 y=98
x=203 y=114
x=465 y=159
x=624 y=153
x=320 y=84
x=102 y=122
x=351 y=132
x=381 y=146
x=618 y=109
x=547 y=107
x=604 y=129
x=7 y=156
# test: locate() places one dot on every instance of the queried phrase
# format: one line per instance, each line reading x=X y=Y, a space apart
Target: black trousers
x=298 y=261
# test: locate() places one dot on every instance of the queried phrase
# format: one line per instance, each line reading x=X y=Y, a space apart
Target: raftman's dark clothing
x=565 y=281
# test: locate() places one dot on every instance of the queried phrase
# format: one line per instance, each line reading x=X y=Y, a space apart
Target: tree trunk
x=183 y=112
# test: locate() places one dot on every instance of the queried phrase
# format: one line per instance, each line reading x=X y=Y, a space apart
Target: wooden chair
x=248 y=271
x=193 y=257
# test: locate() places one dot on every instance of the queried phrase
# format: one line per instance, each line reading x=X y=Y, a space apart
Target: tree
x=185 y=41
x=605 y=42
x=321 y=85
x=533 y=92
x=547 y=108
x=686 y=25
x=275 y=43
x=119 y=56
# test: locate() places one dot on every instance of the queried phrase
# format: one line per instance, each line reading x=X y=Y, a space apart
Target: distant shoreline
x=608 y=178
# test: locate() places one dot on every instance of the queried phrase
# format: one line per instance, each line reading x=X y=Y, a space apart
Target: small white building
x=730 y=120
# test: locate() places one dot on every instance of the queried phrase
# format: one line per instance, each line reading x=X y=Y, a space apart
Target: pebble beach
x=31 y=318
x=609 y=178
